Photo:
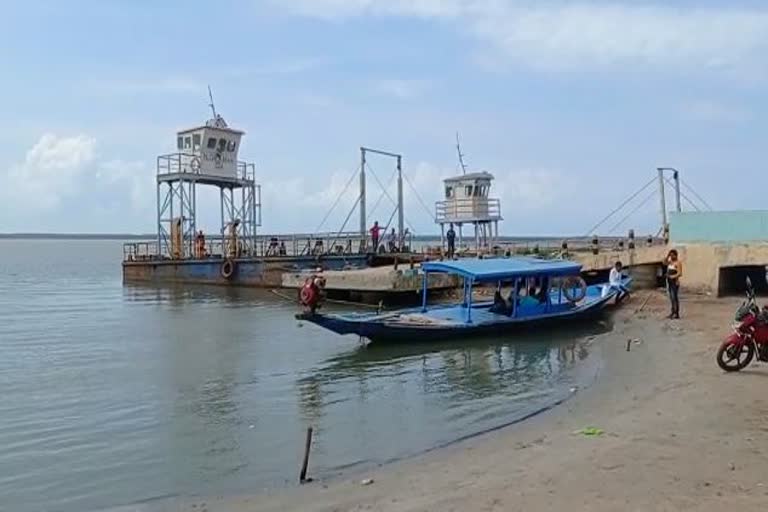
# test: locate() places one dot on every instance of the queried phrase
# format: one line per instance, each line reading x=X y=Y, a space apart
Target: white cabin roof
x=470 y=177
x=217 y=123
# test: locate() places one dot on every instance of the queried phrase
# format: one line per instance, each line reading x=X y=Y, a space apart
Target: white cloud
x=66 y=173
x=134 y=179
x=709 y=110
x=287 y=66
x=128 y=86
x=341 y=9
x=402 y=89
x=581 y=35
x=49 y=171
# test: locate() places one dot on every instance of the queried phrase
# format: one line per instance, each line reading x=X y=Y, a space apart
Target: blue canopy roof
x=503 y=268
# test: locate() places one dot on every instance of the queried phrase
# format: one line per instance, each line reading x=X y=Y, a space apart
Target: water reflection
x=458 y=372
x=180 y=295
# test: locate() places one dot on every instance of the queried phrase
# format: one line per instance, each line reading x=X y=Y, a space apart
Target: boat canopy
x=497 y=269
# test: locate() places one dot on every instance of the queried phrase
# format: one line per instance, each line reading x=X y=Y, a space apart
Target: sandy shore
x=678 y=435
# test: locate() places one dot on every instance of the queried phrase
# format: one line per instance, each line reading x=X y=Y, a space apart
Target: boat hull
x=377 y=329
x=258 y=272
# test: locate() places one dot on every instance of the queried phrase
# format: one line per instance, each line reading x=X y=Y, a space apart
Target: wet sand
x=678 y=434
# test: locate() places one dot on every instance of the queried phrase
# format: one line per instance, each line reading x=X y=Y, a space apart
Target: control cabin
x=467 y=201
x=210 y=149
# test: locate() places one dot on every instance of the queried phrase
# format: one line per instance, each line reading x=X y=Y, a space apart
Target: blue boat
x=541 y=291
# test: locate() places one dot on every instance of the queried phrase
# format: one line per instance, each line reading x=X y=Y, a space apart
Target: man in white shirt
x=615 y=279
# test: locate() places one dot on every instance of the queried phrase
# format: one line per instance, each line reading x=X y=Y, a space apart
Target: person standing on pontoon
x=392 y=241
x=451 y=237
x=375 y=231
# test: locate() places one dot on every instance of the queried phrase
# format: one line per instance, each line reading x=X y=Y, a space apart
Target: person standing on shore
x=674 y=273
x=616 y=281
x=451 y=237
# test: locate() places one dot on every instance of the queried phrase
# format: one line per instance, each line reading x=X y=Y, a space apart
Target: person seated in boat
x=531 y=298
x=543 y=294
x=615 y=281
x=516 y=293
x=500 y=306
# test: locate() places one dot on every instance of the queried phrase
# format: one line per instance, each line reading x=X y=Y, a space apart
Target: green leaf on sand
x=590 y=431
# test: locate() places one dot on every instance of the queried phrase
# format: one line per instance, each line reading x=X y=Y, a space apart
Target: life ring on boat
x=194 y=164
x=574 y=289
x=227 y=268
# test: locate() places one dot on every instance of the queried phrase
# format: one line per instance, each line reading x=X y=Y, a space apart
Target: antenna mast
x=461 y=155
x=213 y=107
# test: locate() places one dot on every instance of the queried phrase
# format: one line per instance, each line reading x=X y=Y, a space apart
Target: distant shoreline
x=75 y=236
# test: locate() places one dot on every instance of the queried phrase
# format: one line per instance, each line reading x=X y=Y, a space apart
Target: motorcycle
x=749 y=337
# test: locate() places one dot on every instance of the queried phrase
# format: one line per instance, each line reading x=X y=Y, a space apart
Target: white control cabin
x=211 y=149
x=467 y=201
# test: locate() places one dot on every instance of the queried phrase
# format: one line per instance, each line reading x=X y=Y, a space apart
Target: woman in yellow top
x=674 y=273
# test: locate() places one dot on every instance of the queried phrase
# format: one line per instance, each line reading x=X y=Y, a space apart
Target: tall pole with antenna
x=461 y=155
x=211 y=104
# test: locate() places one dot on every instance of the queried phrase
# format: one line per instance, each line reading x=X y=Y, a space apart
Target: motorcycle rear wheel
x=731 y=357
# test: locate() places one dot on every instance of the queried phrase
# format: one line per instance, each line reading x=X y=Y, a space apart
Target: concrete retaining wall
x=702 y=262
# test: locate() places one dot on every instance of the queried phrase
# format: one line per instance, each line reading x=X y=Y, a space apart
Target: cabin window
x=211 y=143
x=180 y=143
x=468 y=191
x=222 y=144
x=196 y=141
x=231 y=145
x=448 y=192
x=187 y=142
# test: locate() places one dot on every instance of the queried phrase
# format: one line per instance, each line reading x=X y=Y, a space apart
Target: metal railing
x=293 y=245
x=186 y=163
x=467 y=209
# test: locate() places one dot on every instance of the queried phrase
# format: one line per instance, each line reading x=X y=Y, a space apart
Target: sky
x=570 y=104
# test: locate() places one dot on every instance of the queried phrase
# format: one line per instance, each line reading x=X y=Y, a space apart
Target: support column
x=159 y=222
x=221 y=205
x=442 y=237
x=662 y=201
x=363 y=221
x=676 y=178
x=400 y=215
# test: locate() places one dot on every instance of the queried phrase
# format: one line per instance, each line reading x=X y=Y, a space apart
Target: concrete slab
x=375 y=279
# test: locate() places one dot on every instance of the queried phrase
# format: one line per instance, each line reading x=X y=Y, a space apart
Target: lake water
x=112 y=395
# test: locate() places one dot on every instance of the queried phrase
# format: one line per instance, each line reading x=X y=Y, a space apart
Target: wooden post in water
x=305 y=462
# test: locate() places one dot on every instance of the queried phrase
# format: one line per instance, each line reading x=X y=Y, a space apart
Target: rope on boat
x=334 y=301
